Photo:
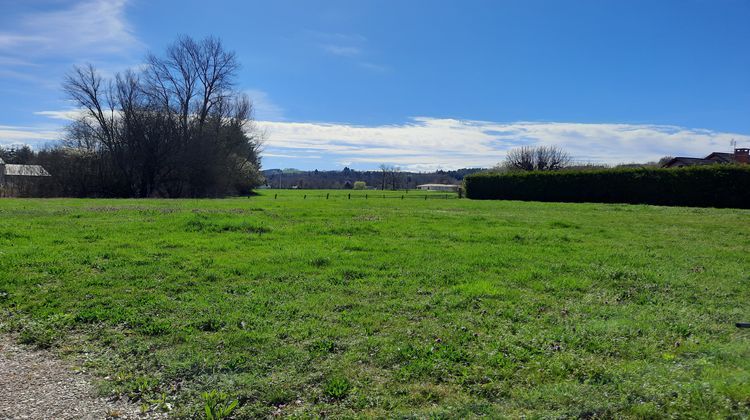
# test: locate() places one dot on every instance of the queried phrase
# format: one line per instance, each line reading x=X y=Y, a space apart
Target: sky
x=422 y=85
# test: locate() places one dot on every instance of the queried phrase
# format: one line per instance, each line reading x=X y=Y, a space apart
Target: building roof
x=721 y=157
x=689 y=161
x=438 y=185
x=715 y=157
x=740 y=155
x=25 y=170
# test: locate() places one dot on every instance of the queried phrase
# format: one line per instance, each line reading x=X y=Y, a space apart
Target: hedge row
x=698 y=186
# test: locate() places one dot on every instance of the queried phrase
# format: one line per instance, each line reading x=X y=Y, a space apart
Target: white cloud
x=337 y=37
x=11 y=40
x=349 y=47
x=16 y=62
x=65 y=115
x=342 y=50
x=264 y=107
x=425 y=143
x=33 y=136
x=345 y=45
x=431 y=143
x=373 y=67
x=277 y=155
x=87 y=27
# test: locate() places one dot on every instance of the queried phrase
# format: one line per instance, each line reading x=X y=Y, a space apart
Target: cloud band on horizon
x=425 y=143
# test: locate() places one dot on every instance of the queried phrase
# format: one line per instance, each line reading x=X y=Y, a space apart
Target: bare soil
x=34 y=384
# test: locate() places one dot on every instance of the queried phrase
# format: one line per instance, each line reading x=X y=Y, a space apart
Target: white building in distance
x=439 y=187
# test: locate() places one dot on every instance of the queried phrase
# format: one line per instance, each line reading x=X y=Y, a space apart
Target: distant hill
x=289 y=178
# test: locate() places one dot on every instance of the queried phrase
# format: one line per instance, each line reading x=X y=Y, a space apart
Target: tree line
x=385 y=178
x=175 y=128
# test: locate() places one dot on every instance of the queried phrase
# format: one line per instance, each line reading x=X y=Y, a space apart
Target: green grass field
x=388 y=307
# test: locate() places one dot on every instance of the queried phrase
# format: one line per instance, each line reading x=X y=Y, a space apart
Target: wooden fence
x=371 y=196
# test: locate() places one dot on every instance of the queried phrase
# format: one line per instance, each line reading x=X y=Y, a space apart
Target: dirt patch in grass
x=34 y=384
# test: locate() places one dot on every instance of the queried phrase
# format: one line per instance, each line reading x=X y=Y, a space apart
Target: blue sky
x=418 y=84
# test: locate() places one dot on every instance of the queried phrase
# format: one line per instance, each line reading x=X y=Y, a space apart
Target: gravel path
x=36 y=385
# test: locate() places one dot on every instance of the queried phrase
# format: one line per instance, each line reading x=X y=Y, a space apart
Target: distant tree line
x=386 y=177
x=175 y=128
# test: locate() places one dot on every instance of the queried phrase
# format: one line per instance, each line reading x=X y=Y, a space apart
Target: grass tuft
x=337 y=388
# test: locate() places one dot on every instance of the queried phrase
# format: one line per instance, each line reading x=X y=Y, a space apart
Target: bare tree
x=551 y=158
x=177 y=128
x=396 y=178
x=391 y=177
x=385 y=171
x=540 y=158
x=521 y=158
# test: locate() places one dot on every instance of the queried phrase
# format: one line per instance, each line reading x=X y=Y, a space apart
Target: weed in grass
x=337 y=388
x=38 y=334
x=322 y=346
x=201 y=224
x=210 y=324
x=43 y=333
x=238 y=363
x=155 y=328
x=278 y=396
x=320 y=262
x=9 y=235
x=217 y=405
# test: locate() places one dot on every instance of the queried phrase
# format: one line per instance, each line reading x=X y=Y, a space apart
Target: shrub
x=360 y=185
x=698 y=186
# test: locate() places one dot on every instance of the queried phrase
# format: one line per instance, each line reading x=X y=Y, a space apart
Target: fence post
x=365 y=196
x=425 y=197
x=402 y=196
x=327 y=196
x=275 y=195
x=350 y=196
x=304 y=197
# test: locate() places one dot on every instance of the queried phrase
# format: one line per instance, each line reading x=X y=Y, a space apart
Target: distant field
x=388 y=307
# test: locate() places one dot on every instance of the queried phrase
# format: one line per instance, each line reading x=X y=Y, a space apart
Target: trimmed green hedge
x=698 y=186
